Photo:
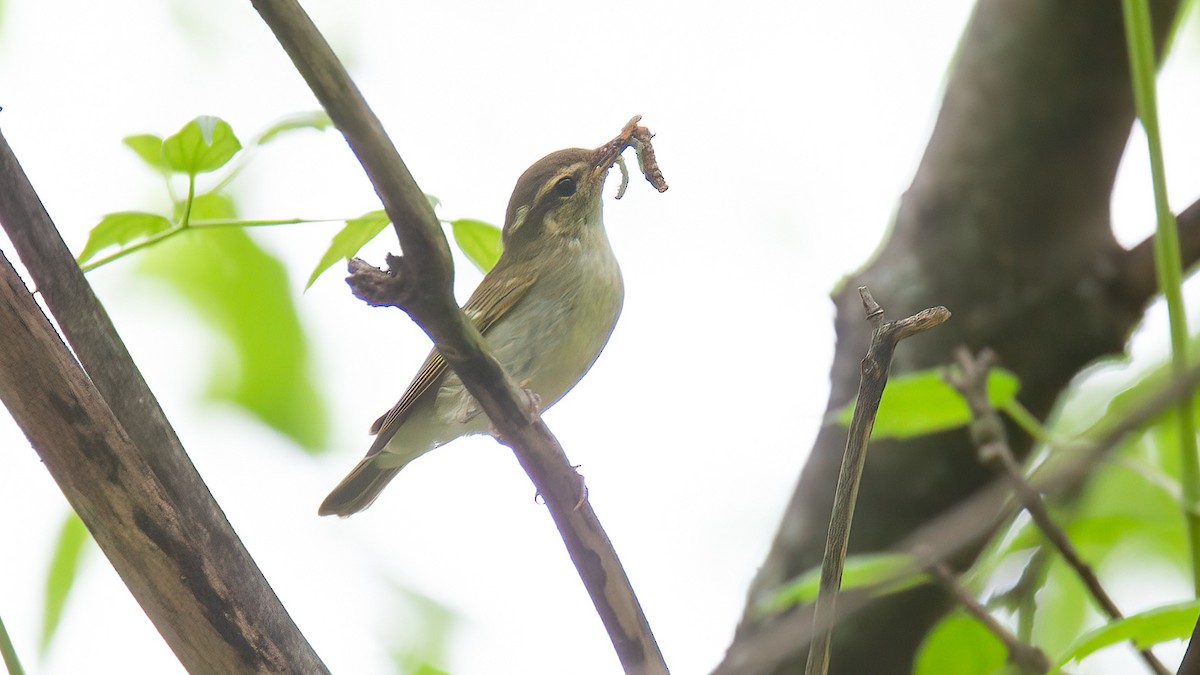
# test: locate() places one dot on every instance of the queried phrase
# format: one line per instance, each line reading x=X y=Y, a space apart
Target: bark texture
x=104 y=439
x=1007 y=225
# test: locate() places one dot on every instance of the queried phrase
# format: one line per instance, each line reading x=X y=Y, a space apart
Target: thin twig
x=875 y=367
x=1025 y=656
x=192 y=227
x=962 y=526
x=1023 y=592
x=423 y=279
x=987 y=432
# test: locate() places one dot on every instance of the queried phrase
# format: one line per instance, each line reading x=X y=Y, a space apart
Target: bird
x=546 y=309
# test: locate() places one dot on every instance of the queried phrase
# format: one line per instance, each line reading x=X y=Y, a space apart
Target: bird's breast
x=554 y=335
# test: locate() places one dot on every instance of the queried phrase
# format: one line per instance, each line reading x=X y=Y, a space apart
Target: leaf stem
x=1168 y=267
x=267 y=222
x=1028 y=422
x=199 y=225
x=132 y=248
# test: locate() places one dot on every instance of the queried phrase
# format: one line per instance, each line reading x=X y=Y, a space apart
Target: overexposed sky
x=787 y=132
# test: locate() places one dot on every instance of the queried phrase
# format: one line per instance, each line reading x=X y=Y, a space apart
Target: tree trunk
x=1007 y=225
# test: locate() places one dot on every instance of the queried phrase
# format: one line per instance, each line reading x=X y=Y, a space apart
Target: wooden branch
x=1136 y=283
x=198 y=585
x=423 y=278
x=875 y=368
x=958 y=529
x=117 y=495
x=991 y=441
x=1026 y=657
x=1007 y=220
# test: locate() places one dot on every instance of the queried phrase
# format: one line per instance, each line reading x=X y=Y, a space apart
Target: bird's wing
x=487 y=304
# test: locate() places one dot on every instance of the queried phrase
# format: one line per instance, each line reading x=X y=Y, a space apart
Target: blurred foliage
x=241 y=292
x=961 y=645
x=262 y=362
x=69 y=549
x=921 y=402
x=1130 y=508
x=1173 y=622
x=203 y=252
x=894 y=572
x=420 y=633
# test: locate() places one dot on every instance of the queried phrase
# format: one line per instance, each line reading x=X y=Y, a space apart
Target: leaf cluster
x=1126 y=523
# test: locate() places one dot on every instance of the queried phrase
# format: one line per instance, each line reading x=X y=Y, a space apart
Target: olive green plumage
x=546 y=310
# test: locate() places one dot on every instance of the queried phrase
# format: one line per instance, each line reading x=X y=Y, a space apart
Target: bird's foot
x=535 y=402
x=532 y=417
x=583 y=491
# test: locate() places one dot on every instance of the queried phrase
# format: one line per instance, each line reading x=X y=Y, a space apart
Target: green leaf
x=479 y=240
x=419 y=633
x=1145 y=629
x=1063 y=606
x=866 y=569
x=242 y=293
x=961 y=645
x=1122 y=508
x=150 y=148
x=922 y=403
x=316 y=119
x=205 y=144
x=68 y=552
x=210 y=206
x=357 y=232
x=119 y=229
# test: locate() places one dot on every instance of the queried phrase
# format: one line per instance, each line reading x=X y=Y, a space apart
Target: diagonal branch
x=425 y=274
x=1027 y=658
x=1007 y=220
x=123 y=469
x=991 y=440
x=957 y=529
x=1137 y=283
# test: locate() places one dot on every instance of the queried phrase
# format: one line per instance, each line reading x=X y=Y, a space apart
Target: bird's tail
x=359 y=489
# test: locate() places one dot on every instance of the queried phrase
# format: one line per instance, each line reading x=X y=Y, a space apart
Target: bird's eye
x=565 y=187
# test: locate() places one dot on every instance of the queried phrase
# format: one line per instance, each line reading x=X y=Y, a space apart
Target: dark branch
x=875 y=368
x=426 y=282
x=189 y=570
x=1137 y=283
x=1008 y=221
x=1191 y=657
x=991 y=441
x=1026 y=657
x=958 y=529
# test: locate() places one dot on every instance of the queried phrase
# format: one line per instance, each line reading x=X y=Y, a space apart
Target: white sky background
x=787 y=132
